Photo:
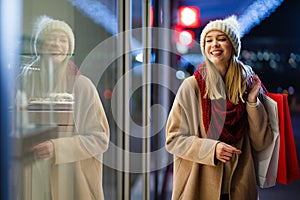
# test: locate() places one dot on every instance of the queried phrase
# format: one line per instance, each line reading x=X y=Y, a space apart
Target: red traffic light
x=189 y=16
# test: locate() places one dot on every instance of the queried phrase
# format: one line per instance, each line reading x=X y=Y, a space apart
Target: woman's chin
x=57 y=59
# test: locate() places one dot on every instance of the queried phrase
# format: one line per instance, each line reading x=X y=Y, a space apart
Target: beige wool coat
x=76 y=170
x=196 y=175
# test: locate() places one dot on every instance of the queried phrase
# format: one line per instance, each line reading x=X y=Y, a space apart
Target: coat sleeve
x=91 y=136
x=260 y=131
x=183 y=127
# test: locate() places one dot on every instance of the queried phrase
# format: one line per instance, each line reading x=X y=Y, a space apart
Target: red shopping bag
x=288 y=169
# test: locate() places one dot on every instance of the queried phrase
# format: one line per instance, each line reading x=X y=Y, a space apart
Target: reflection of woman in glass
x=76 y=160
x=217 y=121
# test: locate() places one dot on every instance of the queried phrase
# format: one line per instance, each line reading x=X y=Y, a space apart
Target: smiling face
x=218 y=49
x=56 y=44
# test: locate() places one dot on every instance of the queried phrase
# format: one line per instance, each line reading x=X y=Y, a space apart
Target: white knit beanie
x=229 y=26
x=44 y=24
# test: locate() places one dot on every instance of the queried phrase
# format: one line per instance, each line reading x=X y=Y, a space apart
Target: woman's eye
x=208 y=40
x=51 y=38
x=63 y=40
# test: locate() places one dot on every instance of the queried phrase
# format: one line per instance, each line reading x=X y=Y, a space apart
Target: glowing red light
x=189 y=16
x=107 y=94
x=151 y=16
x=184 y=37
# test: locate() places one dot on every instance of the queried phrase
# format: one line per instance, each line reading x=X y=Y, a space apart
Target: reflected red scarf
x=222 y=120
x=72 y=75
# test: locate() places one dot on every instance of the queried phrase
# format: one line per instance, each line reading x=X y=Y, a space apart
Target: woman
x=75 y=159
x=217 y=121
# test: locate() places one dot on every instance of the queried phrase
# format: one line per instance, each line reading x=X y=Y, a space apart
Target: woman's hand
x=254 y=89
x=224 y=152
x=43 y=150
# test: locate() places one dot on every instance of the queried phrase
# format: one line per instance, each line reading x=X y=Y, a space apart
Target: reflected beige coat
x=196 y=175
x=76 y=171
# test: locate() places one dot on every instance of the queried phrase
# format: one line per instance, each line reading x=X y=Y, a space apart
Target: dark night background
x=279 y=33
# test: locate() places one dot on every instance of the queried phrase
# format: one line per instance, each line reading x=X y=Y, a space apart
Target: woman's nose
x=215 y=43
x=54 y=41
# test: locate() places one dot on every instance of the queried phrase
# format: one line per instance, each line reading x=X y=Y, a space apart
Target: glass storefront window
x=64 y=90
x=86 y=86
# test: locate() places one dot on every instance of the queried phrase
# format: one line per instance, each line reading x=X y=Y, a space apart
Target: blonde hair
x=37 y=82
x=232 y=86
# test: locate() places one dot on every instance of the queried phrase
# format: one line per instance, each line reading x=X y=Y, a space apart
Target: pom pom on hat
x=44 y=24
x=229 y=26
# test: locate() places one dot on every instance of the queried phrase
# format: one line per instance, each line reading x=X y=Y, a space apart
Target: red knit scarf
x=227 y=125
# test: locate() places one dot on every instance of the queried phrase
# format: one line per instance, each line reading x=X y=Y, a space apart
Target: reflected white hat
x=230 y=26
x=44 y=24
